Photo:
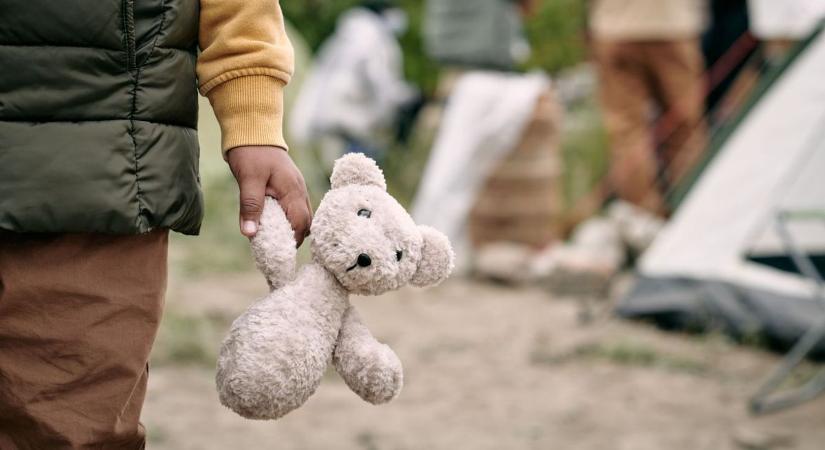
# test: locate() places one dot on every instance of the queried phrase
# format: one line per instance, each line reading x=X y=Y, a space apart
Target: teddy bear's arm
x=273 y=247
x=369 y=368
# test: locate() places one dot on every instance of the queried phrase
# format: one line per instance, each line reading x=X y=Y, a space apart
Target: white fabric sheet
x=485 y=116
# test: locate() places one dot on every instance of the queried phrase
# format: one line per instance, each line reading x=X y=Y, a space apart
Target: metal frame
x=767 y=399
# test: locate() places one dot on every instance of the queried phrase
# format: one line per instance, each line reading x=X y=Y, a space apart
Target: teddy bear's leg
x=277 y=351
x=273 y=247
x=369 y=368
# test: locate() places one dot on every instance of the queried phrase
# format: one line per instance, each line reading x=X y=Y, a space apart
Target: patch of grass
x=367 y=440
x=185 y=340
x=755 y=339
x=156 y=435
x=584 y=150
x=640 y=355
x=801 y=375
x=625 y=353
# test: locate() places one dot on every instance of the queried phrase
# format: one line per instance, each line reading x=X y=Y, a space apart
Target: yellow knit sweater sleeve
x=246 y=60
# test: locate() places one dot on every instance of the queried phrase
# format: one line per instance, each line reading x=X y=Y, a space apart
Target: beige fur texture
x=363 y=242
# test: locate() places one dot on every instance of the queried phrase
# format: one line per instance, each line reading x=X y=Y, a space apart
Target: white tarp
x=485 y=117
x=785 y=19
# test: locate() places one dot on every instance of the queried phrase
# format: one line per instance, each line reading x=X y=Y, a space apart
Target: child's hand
x=268 y=170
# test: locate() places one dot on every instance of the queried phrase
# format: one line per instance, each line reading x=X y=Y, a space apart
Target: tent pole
x=761 y=402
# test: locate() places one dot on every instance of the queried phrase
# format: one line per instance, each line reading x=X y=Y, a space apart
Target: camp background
x=672 y=384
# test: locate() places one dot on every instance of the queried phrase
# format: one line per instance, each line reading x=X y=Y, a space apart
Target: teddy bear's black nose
x=364 y=260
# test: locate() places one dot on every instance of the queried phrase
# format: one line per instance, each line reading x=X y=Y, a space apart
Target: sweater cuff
x=249 y=110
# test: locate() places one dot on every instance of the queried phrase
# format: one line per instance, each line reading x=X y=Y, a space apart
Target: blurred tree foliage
x=555 y=32
x=557 y=35
x=315 y=19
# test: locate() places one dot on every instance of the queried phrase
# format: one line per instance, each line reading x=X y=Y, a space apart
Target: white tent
x=719 y=260
x=786 y=19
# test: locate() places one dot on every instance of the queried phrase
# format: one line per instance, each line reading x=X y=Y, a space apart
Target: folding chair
x=767 y=399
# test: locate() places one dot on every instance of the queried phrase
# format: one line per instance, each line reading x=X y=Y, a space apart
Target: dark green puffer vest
x=98 y=115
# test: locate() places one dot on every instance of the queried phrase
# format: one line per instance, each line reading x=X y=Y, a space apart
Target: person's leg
x=678 y=70
x=626 y=99
x=78 y=315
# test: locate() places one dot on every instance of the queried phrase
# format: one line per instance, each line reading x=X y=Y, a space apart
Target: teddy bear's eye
x=364 y=213
x=398 y=255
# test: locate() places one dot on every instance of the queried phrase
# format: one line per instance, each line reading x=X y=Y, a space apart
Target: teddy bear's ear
x=355 y=168
x=437 y=258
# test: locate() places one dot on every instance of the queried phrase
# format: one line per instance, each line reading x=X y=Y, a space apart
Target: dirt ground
x=486 y=367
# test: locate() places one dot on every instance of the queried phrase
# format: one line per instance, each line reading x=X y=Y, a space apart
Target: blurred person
x=356 y=93
x=477 y=34
x=98 y=161
x=733 y=60
x=727 y=28
x=648 y=55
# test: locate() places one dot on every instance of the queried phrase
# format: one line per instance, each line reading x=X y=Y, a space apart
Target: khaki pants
x=78 y=315
x=635 y=76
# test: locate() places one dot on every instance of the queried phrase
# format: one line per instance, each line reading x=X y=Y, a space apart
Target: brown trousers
x=635 y=76
x=78 y=315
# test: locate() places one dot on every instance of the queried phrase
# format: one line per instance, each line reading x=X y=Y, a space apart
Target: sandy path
x=493 y=368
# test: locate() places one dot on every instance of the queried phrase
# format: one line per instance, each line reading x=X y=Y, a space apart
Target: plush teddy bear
x=364 y=243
